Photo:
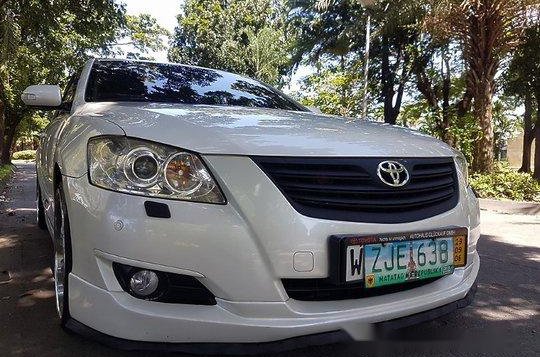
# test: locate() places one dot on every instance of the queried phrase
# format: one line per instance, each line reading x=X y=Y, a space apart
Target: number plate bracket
x=338 y=244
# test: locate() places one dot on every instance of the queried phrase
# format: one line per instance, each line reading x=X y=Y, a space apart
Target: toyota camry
x=191 y=205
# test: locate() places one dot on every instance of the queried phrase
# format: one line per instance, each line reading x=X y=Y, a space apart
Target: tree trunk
x=401 y=87
x=536 y=173
x=1 y=127
x=464 y=105
x=343 y=89
x=387 y=82
x=2 y=116
x=446 y=134
x=5 y=149
x=483 y=112
x=528 y=135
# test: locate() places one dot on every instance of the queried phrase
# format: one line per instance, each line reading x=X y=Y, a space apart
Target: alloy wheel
x=60 y=260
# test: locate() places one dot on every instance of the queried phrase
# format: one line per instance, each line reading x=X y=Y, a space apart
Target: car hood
x=256 y=131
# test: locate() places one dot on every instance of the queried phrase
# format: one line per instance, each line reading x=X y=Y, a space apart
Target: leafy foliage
x=463 y=129
x=335 y=91
x=506 y=123
x=326 y=29
x=523 y=75
x=522 y=80
x=234 y=35
x=487 y=30
x=333 y=31
x=506 y=183
x=45 y=50
x=141 y=32
x=24 y=155
x=42 y=41
x=5 y=173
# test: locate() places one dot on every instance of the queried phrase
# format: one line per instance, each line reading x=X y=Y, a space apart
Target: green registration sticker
x=400 y=262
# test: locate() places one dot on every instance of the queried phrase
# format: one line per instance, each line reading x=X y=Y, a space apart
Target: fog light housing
x=144 y=283
x=171 y=288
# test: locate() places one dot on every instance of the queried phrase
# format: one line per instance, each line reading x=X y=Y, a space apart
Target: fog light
x=144 y=282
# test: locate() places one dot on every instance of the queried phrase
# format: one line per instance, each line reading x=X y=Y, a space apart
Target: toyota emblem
x=393 y=173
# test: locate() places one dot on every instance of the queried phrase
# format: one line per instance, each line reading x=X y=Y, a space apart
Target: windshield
x=131 y=81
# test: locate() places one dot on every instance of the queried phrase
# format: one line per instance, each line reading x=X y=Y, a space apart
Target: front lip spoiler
x=209 y=348
x=428 y=315
x=382 y=329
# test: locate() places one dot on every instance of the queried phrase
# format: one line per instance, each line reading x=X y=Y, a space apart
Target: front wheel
x=62 y=255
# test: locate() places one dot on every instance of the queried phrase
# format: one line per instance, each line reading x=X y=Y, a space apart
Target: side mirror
x=44 y=96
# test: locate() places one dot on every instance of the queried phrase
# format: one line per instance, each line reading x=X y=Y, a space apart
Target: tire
x=62 y=255
x=40 y=210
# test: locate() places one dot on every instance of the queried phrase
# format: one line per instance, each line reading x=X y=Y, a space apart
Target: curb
x=510 y=207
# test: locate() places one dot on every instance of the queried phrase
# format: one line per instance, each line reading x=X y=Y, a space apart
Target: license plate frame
x=339 y=243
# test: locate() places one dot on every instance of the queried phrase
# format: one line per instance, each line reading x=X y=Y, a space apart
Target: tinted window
x=120 y=81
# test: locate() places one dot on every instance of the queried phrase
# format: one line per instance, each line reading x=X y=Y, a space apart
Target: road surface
x=503 y=320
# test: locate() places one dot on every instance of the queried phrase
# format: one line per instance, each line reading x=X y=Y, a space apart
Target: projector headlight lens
x=145 y=167
x=141 y=167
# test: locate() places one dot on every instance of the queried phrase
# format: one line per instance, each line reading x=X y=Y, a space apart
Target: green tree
x=505 y=123
x=439 y=78
x=335 y=91
x=140 y=34
x=487 y=30
x=234 y=35
x=434 y=108
x=327 y=30
x=523 y=81
x=41 y=41
x=334 y=31
x=29 y=128
x=397 y=26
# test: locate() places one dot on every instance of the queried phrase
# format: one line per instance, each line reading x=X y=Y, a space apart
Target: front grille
x=324 y=290
x=348 y=189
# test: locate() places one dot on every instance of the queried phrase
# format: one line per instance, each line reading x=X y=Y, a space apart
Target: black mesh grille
x=348 y=189
x=324 y=290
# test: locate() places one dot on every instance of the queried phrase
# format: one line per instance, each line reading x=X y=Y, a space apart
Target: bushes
x=505 y=182
x=24 y=155
x=5 y=173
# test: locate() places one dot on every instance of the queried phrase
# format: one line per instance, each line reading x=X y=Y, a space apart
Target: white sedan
x=192 y=205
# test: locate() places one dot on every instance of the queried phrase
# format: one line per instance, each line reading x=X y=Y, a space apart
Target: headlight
x=148 y=169
x=463 y=167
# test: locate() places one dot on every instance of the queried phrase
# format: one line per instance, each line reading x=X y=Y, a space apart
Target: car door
x=48 y=145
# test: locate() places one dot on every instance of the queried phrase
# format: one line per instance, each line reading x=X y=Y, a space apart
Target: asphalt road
x=503 y=320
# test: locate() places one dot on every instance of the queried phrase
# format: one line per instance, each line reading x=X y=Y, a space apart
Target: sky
x=165 y=12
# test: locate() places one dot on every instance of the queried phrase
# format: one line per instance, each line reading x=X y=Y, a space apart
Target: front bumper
x=120 y=315
x=240 y=252
x=268 y=347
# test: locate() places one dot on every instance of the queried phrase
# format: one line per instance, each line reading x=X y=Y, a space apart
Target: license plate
x=389 y=259
x=400 y=262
